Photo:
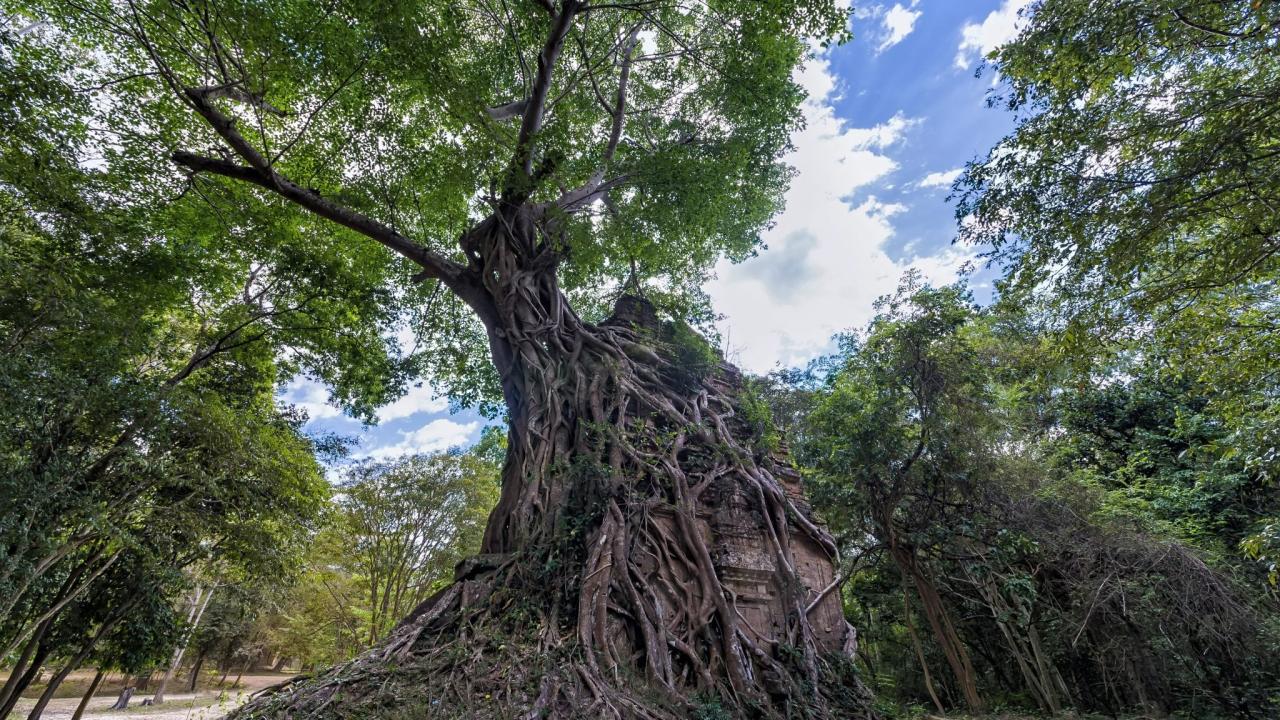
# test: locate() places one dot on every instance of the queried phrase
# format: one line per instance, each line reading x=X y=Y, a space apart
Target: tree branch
x=531 y=122
x=233 y=92
x=433 y=265
x=1210 y=30
x=515 y=108
x=596 y=186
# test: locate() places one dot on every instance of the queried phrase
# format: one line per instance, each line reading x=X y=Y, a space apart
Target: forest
x=1053 y=494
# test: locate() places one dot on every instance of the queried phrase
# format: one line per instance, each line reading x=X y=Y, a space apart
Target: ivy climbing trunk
x=643 y=556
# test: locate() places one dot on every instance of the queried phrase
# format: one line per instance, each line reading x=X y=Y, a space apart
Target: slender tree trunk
x=935 y=611
x=88 y=695
x=195 y=670
x=924 y=664
x=19 y=668
x=1035 y=673
x=198 y=603
x=77 y=660
x=66 y=597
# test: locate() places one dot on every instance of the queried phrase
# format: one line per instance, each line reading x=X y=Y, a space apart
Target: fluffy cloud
x=898 y=21
x=435 y=436
x=825 y=264
x=311 y=397
x=881 y=136
x=977 y=40
x=418 y=400
x=941 y=179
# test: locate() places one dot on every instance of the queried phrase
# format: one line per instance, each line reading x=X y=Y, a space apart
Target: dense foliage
x=1067 y=543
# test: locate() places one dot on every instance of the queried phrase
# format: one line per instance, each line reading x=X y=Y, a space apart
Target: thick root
x=506 y=658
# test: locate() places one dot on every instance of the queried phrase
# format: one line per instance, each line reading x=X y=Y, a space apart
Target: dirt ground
x=206 y=704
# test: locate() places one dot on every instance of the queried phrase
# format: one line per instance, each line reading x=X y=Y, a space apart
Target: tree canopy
x=654 y=129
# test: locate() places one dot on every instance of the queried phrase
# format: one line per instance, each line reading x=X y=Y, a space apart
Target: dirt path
x=210 y=704
x=184 y=706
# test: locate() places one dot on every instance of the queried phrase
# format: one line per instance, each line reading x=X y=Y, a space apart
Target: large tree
x=526 y=161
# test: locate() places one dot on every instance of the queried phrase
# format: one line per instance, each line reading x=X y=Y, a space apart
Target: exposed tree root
x=604 y=590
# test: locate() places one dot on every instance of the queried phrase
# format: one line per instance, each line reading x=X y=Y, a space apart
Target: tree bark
x=924 y=664
x=122 y=702
x=11 y=685
x=78 y=659
x=88 y=695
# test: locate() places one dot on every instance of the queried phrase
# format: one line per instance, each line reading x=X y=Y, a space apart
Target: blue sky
x=892 y=117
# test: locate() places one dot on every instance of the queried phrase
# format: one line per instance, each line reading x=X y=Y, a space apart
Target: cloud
x=826 y=262
x=311 y=397
x=418 y=400
x=783 y=278
x=977 y=40
x=435 y=436
x=942 y=179
x=898 y=22
x=883 y=135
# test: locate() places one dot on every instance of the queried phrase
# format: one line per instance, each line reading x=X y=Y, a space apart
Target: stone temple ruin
x=747 y=568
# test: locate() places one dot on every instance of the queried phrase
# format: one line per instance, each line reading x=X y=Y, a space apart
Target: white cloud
x=898 y=21
x=418 y=400
x=435 y=436
x=942 y=179
x=883 y=135
x=310 y=396
x=825 y=265
x=977 y=40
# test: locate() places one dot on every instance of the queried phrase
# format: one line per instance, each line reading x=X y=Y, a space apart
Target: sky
x=891 y=119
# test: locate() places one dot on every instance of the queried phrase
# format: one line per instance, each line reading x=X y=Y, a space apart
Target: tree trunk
x=1036 y=674
x=642 y=552
x=279 y=666
x=122 y=702
x=88 y=695
x=78 y=659
x=195 y=670
x=935 y=612
x=198 y=603
x=11 y=686
x=37 y=662
x=924 y=664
